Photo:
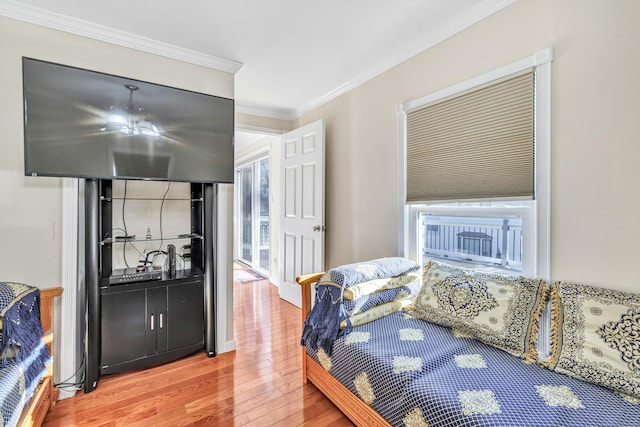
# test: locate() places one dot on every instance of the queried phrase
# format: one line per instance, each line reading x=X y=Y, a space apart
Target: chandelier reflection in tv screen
x=129 y=119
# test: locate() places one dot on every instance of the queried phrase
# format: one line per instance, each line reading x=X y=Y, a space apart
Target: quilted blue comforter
x=415 y=373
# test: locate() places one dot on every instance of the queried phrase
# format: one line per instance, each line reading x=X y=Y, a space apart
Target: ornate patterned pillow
x=501 y=311
x=596 y=336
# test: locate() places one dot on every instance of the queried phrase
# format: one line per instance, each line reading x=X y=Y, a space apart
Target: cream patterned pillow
x=596 y=336
x=375 y=313
x=501 y=311
x=372 y=286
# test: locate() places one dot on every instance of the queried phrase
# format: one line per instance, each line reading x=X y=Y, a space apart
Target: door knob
x=319 y=228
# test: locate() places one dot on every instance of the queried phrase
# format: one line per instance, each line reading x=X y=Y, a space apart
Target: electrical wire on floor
x=75 y=386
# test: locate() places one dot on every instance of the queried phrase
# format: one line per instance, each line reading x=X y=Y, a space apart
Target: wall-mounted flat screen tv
x=87 y=124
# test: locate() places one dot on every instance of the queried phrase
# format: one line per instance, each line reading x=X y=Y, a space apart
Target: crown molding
x=451 y=27
x=110 y=35
x=269 y=112
x=259 y=129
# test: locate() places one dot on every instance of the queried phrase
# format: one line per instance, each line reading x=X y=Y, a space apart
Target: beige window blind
x=478 y=145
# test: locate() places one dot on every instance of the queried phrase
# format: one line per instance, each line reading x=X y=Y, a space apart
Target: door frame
x=273 y=151
x=249 y=161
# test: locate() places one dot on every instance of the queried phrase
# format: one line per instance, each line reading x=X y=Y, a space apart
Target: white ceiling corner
x=285 y=60
x=455 y=25
x=95 y=31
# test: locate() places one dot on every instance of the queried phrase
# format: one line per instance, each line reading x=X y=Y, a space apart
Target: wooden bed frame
x=46 y=394
x=351 y=405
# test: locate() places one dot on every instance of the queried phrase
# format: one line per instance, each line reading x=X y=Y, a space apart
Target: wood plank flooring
x=259 y=384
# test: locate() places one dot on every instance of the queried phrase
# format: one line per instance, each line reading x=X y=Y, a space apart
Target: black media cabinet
x=150 y=322
x=134 y=324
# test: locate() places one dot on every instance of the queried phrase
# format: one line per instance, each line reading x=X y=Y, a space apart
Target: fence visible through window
x=489 y=241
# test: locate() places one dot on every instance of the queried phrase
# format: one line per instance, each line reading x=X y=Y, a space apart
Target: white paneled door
x=302 y=228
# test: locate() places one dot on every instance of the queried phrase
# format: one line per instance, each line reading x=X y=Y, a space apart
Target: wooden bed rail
x=305 y=281
x=46 y=314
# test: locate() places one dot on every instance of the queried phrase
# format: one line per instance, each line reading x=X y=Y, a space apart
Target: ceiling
x=288 y=56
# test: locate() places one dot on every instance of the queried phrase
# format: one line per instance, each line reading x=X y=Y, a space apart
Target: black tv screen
x=87 y=124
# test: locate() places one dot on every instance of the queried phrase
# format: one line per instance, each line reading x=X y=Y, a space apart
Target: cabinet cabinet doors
x=185 y=307
x=151 y=323
x=156 y=331
x=123 y=326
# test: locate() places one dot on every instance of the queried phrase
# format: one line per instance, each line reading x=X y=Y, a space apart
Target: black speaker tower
x=92 y=283
x=210 y=254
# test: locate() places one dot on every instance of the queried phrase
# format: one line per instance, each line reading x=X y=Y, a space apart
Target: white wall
x=31 y=208
x=139 y=215
x=594 y=147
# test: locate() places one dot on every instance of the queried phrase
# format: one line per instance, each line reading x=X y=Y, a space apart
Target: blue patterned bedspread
x=16 y=389
x=322 y=326
x=415 y=373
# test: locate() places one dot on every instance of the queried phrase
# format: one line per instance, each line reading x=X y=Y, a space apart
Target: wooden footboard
x=351 y=405
x=46 y=395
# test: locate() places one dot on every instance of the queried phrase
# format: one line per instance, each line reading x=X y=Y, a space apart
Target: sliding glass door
x=253 y=215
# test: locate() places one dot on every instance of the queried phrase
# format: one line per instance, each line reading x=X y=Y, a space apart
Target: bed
x=401 y=370
x=26 y=383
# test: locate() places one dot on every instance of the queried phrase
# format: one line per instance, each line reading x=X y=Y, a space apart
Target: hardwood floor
x=259 y=384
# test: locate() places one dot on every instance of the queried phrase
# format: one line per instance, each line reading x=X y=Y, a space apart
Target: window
x=488 y=234
x=475 y=171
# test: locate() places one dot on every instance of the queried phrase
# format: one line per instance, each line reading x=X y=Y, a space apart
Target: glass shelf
x=111 y=240
x=159 y=199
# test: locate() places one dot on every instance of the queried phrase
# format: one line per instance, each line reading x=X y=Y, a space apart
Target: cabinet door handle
x=152 y=322
x=160 y=320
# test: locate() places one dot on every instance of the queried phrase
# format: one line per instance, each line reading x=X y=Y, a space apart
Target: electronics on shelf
x=171 y=255
x=130 y=275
